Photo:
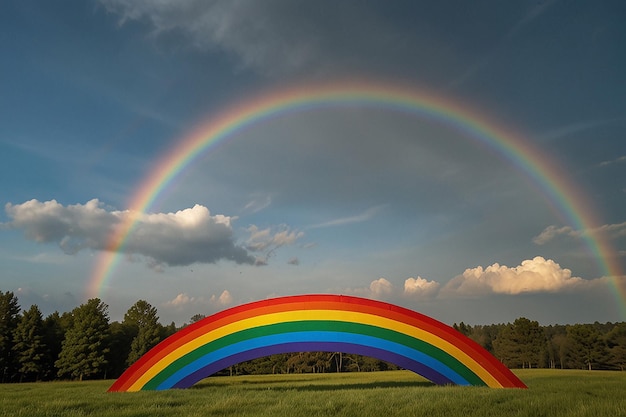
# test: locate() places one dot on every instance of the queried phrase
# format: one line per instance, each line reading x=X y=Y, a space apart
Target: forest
x=85 y=344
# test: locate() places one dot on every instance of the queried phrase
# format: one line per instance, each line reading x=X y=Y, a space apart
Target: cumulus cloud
x=537 y=275
x=73 y=227
x=183 y=300
x=420 y=287
x=612 y=231
x=379 y=288
x=180 y=300
x=532 y=276
x=225 y=299
x=181 y=238
x=186 y=236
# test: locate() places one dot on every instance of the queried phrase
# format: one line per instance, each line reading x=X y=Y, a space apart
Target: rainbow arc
x=317 y=322
x=543 y=171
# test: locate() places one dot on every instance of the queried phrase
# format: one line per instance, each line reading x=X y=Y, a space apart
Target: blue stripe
x=313 y=336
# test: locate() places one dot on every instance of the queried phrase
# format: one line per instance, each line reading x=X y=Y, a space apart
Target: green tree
x=121 y=338
x=520 y=344
x=301 y=362
x=616 y=342
x=556 y=346
x=586 y=345
x=271 y=364
x=55 y=327
x=462 y=328
x=83 y=352
x=167 y=331
x=29 y=347
x=143 y=319
x=485 y=335
x=196 y=317
x=9 y=318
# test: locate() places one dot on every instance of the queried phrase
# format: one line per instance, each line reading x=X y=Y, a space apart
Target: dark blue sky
x=352 y=200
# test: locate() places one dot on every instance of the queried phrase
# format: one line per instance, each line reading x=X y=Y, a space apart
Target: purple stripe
x=387 y=356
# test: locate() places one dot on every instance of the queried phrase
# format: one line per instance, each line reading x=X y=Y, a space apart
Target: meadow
x=392 y=393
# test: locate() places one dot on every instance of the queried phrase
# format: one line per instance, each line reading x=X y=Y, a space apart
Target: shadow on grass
x=279 y=385
x=365 y=385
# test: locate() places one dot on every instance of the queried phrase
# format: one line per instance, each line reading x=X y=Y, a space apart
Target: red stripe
x=317 y=302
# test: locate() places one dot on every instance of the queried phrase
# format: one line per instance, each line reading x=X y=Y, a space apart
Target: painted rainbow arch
x=318 y=322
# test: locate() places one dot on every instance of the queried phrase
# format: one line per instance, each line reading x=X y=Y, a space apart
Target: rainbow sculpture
x=331 y=323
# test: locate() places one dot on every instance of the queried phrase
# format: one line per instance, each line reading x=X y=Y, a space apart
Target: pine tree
x=9 y=318
x=196 y=317
x=142 y=317
x=505 y=348
x=29 y=347
x=83 y=352
x=532 y=339
x=520 y=344
x=616 y=342
x=121 y=338
x=587 y=346
x=55 y=327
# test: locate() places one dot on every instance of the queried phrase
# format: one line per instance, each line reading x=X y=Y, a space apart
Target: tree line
x=526 y=344
x=85 y=344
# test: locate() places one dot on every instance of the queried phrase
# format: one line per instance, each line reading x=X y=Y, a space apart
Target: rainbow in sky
x=566 y=197
x=316 y=323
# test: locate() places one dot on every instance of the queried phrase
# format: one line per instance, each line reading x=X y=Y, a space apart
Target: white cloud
x=180 y=238
x=362 y=217
x=532 y=276
x=383 y=289
x=612 y=231
x=180 y=300
x=619 y=160
x=74 y=227
x=257 y=203
x=183 y=300
x=573 y=128
x=380 y=288
x=225 y=299
x=551 y=232
x=268 y=240
x=420 y=287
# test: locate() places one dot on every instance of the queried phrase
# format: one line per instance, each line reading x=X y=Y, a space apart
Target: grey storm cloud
x=181 y=238
x=258 y=34
x=271 y=37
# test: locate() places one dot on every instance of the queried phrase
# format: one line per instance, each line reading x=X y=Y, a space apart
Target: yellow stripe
x=331 y=315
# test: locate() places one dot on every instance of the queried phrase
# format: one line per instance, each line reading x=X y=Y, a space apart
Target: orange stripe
x=316 y=302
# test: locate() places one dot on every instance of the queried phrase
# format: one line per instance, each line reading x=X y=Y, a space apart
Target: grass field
x=394 y=393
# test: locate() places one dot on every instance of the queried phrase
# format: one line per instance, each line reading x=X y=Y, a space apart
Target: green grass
x=397 y=393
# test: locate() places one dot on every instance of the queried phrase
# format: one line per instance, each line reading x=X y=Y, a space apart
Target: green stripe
x=316 y=325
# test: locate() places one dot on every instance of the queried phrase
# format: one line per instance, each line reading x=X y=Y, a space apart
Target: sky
x=466 y=160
